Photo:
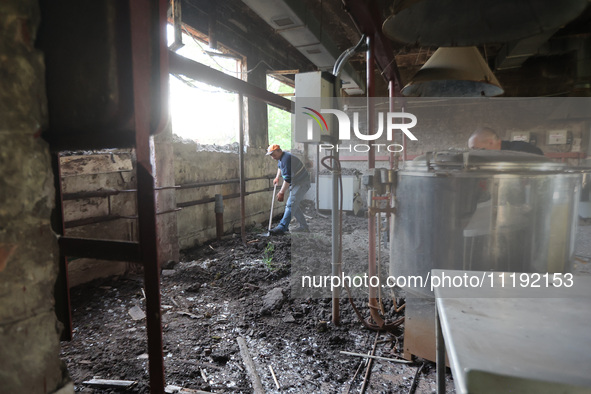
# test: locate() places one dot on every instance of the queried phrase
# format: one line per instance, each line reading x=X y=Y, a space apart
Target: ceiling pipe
x=345 y=56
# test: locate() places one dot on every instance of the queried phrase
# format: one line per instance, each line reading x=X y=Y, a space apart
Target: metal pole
x=241 y=165
x=439 y=354
x=391 y=108
x=371 y=163
x=336 y=230
x=144 y=60
x=370 y=65
x=219 y=216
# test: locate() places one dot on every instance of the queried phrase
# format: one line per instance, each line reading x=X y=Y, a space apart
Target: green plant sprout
x=268 y=256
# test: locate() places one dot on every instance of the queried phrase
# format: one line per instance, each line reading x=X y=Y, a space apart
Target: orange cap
x=272 y=148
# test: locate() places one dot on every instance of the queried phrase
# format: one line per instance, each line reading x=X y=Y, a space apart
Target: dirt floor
x=226 y=290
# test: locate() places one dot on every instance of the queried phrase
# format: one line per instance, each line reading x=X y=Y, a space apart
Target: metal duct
x=290 y=19
x=470 y=22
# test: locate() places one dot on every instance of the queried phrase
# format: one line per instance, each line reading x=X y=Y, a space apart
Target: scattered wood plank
x=274 y=378
x=369 y=364
x=108 y=383
x=203 y=375
x=257 y=385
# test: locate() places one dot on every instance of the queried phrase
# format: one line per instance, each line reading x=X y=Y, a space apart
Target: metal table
x=512 y=338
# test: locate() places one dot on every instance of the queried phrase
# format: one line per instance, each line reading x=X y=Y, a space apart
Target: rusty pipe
x=219 y=216
x=372 y=272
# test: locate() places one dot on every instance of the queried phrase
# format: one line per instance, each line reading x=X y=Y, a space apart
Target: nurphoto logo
x=344 y=123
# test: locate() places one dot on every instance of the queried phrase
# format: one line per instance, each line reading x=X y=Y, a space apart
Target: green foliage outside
x=279 y=120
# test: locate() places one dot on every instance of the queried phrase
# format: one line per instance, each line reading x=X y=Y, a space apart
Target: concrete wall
x=196 y=223
x=106 y=173
x=100 y=203
x=29 y=330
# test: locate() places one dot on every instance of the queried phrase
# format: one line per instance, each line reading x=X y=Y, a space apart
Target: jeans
x=296 y=195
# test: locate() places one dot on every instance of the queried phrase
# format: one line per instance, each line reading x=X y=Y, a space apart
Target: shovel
x=268 y=234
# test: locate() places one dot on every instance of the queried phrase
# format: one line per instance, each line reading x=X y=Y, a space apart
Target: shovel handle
x=272 y=206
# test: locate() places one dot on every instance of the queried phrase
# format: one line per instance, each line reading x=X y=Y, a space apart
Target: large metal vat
x=478 y=210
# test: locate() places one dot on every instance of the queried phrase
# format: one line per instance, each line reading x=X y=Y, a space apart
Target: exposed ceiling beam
x=200 y=72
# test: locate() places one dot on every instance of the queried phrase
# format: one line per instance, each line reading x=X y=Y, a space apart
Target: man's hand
x=280 y=196
x=275 y=181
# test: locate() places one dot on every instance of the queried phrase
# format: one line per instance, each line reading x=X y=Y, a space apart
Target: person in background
x=295 y=178
x=487 y=138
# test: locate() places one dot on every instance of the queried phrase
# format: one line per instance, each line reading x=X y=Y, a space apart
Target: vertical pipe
x=370 y=65
x=336 y=230
x=241 y=167
x=371 y=245
x=317 y=176
x=336 y=247
x=219 y=216
x=371 y=163
x=391 y=108
x=142 y=18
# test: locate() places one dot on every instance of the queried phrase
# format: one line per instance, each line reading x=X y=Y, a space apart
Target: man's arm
x=281 y=193
x=277 y=177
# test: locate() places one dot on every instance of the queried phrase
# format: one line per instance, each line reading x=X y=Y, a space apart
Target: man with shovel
x=297 y=179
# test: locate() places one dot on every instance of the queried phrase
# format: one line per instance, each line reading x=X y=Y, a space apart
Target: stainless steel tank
x=479 y=210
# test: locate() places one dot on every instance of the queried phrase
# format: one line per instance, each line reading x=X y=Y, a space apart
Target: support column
x=257 y=110
x=29 y=329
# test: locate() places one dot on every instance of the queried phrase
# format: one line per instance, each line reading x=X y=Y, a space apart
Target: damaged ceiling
x=543 y=49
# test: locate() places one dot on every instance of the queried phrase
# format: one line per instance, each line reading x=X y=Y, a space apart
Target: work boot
x=277 y=230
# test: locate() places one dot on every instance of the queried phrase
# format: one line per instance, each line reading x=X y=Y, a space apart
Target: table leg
x=440 y=354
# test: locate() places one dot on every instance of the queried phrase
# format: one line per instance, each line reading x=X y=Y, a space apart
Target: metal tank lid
x=483 y=160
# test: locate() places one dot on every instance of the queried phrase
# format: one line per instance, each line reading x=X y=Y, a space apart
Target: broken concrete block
x=273 y=300
x=136 y=313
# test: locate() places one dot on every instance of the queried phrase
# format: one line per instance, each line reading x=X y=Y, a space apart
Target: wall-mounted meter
x=559 y=137
x=520 y=136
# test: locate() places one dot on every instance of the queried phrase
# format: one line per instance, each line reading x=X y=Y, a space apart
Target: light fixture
x=454 y=72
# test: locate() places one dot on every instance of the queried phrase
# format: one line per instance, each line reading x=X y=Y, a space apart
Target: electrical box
x=558 y=137
x=520 y=136
x=314 y=91
x=351 y=185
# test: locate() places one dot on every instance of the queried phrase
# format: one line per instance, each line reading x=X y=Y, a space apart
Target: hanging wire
x=208 y=53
